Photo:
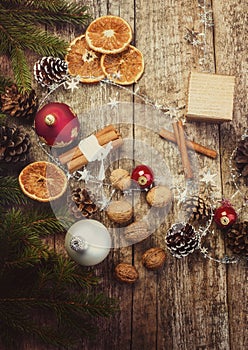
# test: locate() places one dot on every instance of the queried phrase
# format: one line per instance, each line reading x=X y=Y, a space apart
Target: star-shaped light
x=181 y=197
x=208 y=178
x=83 y=175
x=117 y=75
x=113 y=103
x=72 y=84
x=172 y=112
x=157 y=105
x=69 y=176
x=196 y=42
x=204 y=251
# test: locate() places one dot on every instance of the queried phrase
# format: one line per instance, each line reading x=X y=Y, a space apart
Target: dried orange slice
x=43 y=181
x=108 y=34
x=124 y=68
x=83 y=61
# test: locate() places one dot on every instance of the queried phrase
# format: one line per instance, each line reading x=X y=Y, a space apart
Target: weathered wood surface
x=192 y=303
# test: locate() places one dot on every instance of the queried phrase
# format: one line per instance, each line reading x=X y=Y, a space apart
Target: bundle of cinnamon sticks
x=75 y=159
x=183 y=145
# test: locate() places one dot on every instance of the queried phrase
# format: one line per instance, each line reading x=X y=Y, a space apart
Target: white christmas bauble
x=88 y=242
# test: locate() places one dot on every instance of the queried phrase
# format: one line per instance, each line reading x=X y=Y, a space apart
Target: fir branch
x=22 y=76
x=19 y=32
x=29 y=258
x=67 y=274
x=10 y=192
x=27 y=36
x=43 y=223
x=55 y=12
x=70 y=12
x=23 y=238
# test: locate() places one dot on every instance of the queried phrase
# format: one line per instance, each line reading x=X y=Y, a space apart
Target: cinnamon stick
x=168 y=135
x=176 y=133
x=80 y=161
x=103 y=136
x=105 y=130
x=184 y=152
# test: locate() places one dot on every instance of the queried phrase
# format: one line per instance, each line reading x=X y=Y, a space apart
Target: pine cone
x=181 y=240
x=81 y=203
x=241 y=158
x=237 y=238
x=197 y=208
x=50 y=70
x=17 y=104
x=14 y=144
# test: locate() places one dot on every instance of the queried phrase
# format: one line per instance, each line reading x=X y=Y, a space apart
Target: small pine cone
x=50 y=70
x=241 y=158
x=14 y=144
x=237 y=238
x=19 y=105
x=81 y=203
x=197 y=208
x=181 y=240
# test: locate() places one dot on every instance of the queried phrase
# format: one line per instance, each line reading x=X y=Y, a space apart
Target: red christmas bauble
x=56 y=124
x=225 y=216
x=143 y=175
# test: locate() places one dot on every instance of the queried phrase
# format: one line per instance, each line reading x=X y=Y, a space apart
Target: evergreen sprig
x=10 y=192
x=48 y=12
x=19 y=32
x=37 y=284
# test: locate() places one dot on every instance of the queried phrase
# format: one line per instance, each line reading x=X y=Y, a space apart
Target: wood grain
x=192 y=303
x=231 y=50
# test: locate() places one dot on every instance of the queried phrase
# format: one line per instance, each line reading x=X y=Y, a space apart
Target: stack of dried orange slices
x=105 y=51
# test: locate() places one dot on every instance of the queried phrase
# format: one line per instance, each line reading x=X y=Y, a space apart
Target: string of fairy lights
x=196 y=39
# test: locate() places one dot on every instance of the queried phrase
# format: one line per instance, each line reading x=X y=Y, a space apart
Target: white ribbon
x=93 y=151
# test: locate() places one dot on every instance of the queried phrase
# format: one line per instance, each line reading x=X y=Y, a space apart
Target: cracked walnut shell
x=126 y=273
x=120 y=211
x=120 y=179
x=159 y=196
x=154 y=258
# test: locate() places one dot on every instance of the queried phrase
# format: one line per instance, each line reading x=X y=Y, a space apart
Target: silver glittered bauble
x=88 y=242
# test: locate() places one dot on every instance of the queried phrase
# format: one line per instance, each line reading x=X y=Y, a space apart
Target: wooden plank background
x=192 y=303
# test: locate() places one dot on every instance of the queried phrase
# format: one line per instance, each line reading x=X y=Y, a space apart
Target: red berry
x=225 y=216
x=143 y=175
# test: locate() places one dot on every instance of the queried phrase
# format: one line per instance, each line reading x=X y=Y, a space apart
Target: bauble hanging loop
x=50 y=119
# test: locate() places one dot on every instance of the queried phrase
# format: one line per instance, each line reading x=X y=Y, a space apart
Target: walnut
x=120 y=211
x=126 y=273
x=120 y=179
x=136 y=232
x=159 y=196
x=154 y=258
